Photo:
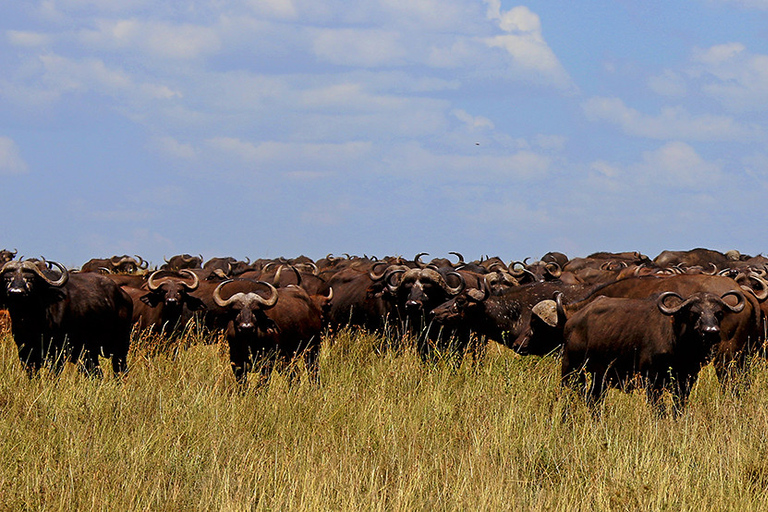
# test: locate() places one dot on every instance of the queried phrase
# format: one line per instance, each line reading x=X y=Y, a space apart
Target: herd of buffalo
x=619 y=319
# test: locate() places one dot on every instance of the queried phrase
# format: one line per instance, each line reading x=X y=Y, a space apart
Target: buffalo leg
x=90 y=365
x=119 y=365
x=239 y=359
x=654 y=393
x=31 y=359
x=732 y=373
x=681 y=392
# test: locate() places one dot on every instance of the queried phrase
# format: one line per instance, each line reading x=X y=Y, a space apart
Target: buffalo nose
x=246 y=326
x=413 y=304
x=711 y=329
x=15 y=291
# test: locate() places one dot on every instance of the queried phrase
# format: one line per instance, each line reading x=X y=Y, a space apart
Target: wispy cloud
x=732 y=75
x=671 y=123
x=11 y=161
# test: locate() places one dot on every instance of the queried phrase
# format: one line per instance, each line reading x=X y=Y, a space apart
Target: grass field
x=379 y=432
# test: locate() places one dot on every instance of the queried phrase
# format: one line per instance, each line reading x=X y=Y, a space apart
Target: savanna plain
x=376 y=430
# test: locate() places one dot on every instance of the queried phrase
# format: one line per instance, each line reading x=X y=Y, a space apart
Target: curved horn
x=417 y=259
x=195 y=280
x=497 y=265
x=438 y=278
x=58 y=282
x=560 y=307
x=455 y=290
x=268 y=302
x=667 y=310
x=553 y=269
x=143 y=265
x=217 y=295
x=151 y=283
x=759 y=295
x=377 y=277
x=739 y=305
x=517 y=272
x=388 y=279
x=295 y=271
x=9 y=266
x=458 y=255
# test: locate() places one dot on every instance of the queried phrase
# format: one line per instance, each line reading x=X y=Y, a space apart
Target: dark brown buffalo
x=663 y=341
x=269 y=325
x=695 y=257
x=115 y=265
x=182 y=261
x=6 y=256
x=741 y=334
x=358 y=299
x=58 y=316
x=600 y=259
x=164 y=303
x=414 y=293
x=512 y=318
x=228 y=266
x=286 y=274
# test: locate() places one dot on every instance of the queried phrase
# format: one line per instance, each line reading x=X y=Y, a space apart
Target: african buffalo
x=58 y=316
x=276 y=327
x=615 y=339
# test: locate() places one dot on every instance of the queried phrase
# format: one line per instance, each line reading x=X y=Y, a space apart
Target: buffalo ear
x=546 y=310
x=150 y=299
x=476 y=294
x=54 y=294
x=271 y=327
x=194 y=304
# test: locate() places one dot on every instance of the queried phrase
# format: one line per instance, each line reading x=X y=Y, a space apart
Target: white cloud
x=732 y=75
x=671 y=123
x=164 y=40
x=677 y=164
x=287 y=155
x=63 y=75
x=360 y=47
x=175 y=149
x=418 y=162
x=473 y=122
x=278 y=8
x=523 y=40
x=10 y=157
x=28 y=39
x=550 y=142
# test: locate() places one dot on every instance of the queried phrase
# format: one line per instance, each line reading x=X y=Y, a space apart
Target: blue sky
x=267 y=128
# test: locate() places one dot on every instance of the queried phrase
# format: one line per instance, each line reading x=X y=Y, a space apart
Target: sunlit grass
x=380 y=431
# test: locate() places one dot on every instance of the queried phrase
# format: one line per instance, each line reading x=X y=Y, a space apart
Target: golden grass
x=379 y=432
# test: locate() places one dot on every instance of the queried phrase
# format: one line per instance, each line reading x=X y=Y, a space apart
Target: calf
x=615 y=339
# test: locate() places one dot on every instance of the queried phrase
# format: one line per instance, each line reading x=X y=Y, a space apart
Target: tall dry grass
x=381 y=431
